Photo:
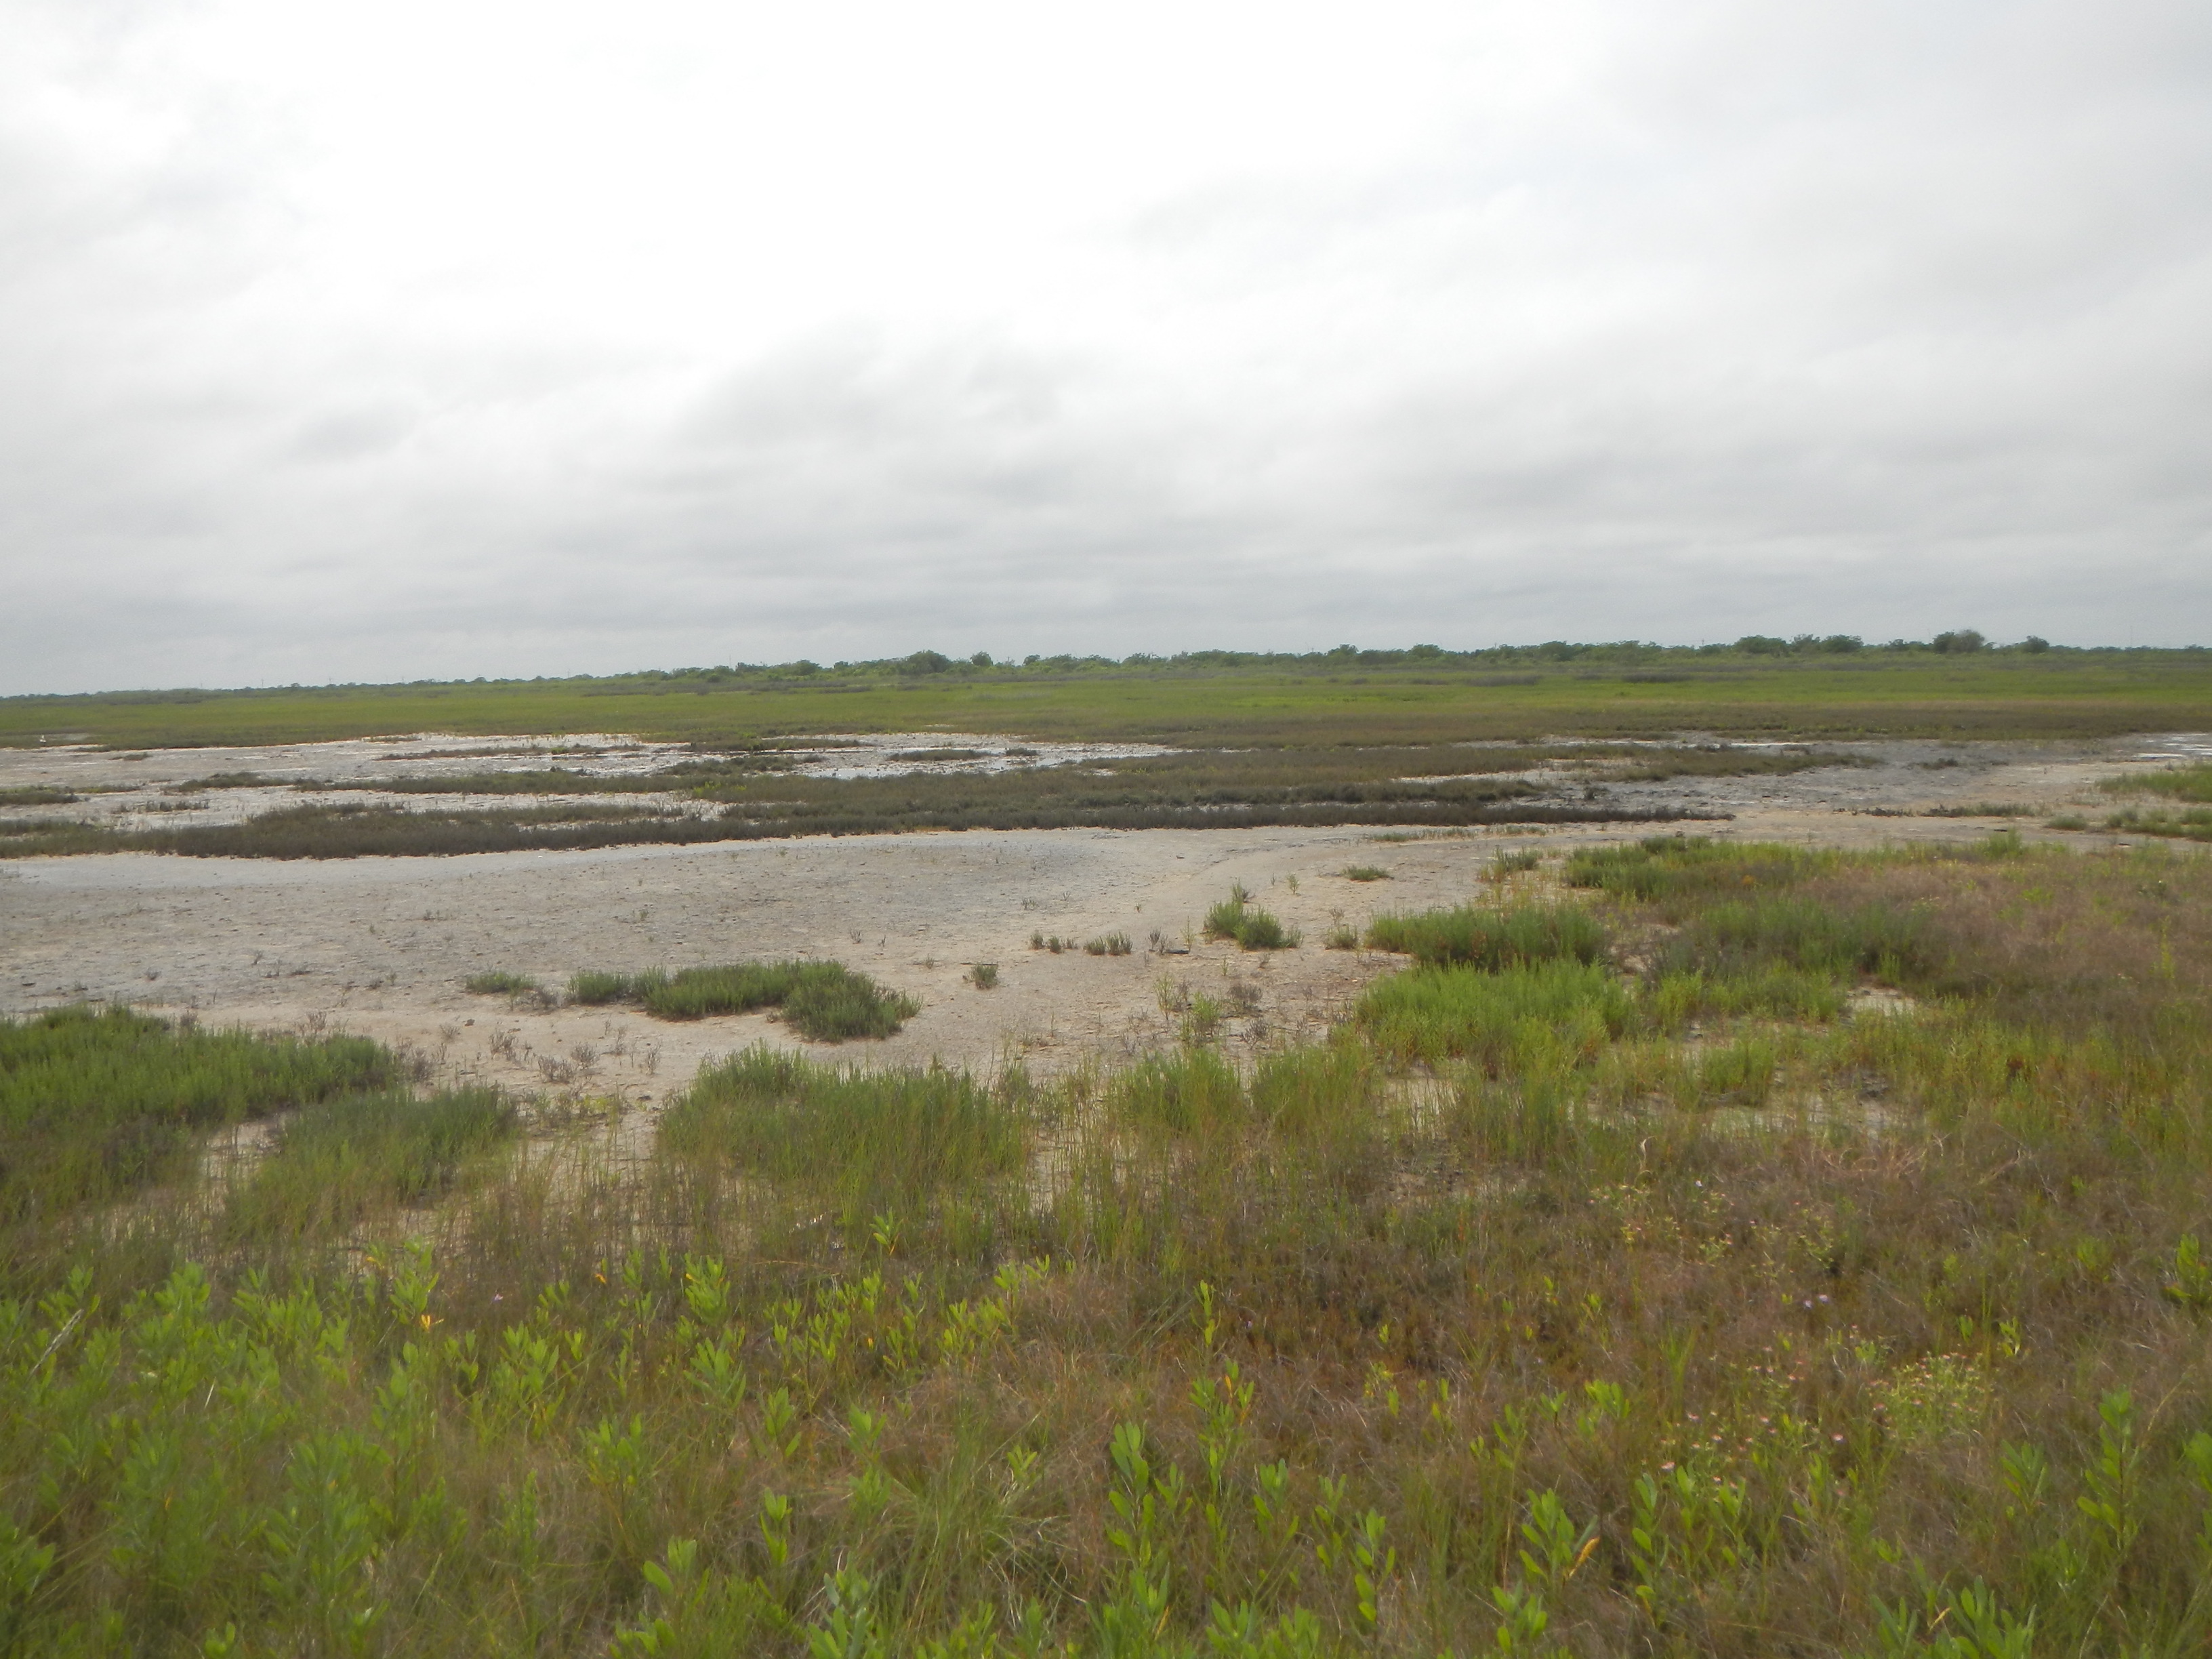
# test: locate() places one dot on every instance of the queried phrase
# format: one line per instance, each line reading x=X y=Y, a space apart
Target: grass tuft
x=1237 y=918
x=499 y=982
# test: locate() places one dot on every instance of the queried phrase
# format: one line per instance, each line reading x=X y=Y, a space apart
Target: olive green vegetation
x=1491 y=939
x=498 y=981
x=1237 y=918
x=94 y=1104
x=2192 y=784
x=825 y=1001
x=1346 y=696
x=1649 y=1301
x=2189 y=785
x=1201 y=789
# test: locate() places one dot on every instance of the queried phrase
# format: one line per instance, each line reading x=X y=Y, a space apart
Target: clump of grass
x=1341 y=936
x=1534 y=1014
x=1520 y=861
x=984 y=975
x=1365 y=873
x=1192 y=1091
x=1052 y=942
x=1492 y=939
x=1668 y=868
x=1988 y=809
x=1108 y=944
x=1806 y=932
x=825 y=1001
x=498 y=981
x=594 y=988
x=1237 y=918
x=875 y=1140
x=39 y=795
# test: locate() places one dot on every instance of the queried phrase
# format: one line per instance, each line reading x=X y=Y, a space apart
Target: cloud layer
x=440 y=340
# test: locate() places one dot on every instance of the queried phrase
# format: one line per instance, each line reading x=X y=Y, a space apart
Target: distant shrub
x=985 y=975
x=1110 y=944
x=499 y=982
x=1365 y=872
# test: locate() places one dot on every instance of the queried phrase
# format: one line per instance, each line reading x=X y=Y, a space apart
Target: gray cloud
x=1876 y=319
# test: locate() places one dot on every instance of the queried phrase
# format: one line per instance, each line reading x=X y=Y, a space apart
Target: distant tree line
x=1617 y=653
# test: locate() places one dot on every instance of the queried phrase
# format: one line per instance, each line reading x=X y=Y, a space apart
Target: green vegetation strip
x=1226 y=698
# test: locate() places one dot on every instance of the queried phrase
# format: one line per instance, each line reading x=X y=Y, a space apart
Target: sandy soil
x=381 y=947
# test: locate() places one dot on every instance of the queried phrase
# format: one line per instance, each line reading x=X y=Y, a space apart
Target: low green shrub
x=1365 y=872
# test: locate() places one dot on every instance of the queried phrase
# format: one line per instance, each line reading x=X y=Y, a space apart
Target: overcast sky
x=446 y=338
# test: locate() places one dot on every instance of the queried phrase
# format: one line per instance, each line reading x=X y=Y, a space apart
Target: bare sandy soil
x=381 y=947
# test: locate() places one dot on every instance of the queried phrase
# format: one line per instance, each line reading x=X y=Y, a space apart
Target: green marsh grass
x=95 y=1103
x=1518 y=1016
x=877 y=1142
x=2188 y=784
x=1476 y=937
x=338 y=1161
x=1844 y=1335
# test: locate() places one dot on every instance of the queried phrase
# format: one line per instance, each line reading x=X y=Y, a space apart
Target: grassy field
x=1217 y=698
x=1703 y=1250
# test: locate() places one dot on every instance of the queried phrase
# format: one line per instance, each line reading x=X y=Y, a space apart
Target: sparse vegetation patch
x=825 y=1001
x=1237 y=918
